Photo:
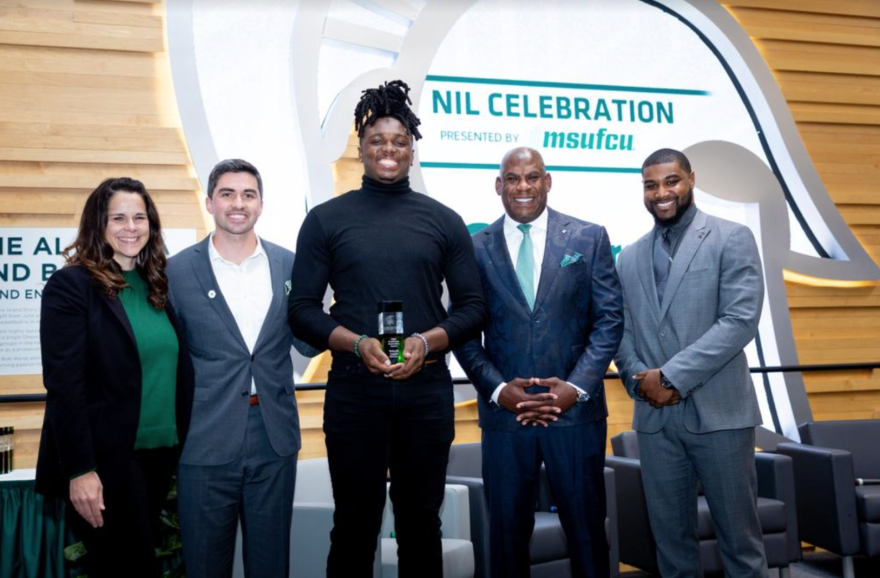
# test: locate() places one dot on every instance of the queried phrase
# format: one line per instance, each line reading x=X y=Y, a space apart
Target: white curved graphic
x=584 y=81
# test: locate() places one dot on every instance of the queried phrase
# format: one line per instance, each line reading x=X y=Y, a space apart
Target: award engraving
x=391 y=329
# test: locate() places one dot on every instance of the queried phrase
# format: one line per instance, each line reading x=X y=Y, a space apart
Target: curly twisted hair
x=389 y=99
x=91 y=250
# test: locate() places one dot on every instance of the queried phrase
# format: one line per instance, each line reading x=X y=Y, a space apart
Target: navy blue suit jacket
x=573 y=332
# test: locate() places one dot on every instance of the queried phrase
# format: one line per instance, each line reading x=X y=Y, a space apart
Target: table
x=32 y=529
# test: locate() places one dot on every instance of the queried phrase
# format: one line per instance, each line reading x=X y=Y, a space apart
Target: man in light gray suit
x=239 y=460
x=693 y=291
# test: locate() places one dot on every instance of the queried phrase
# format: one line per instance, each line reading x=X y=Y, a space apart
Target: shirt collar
x=216 y=256
x=539 y=225
x=682 y=224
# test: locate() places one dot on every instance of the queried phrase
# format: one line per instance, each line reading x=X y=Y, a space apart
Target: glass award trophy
x=391 y=329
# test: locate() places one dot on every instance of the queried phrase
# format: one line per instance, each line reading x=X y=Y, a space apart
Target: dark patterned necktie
x=662 y=262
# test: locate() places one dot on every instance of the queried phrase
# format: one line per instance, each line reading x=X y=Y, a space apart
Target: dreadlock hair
x=389 y=99
x=91 y=250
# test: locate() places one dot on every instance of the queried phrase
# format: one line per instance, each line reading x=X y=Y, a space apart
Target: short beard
x=680 y=210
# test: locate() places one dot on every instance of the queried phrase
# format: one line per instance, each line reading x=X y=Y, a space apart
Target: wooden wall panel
x=869 y=8
x=64 y=25
x=826 y=57
x=820 y=87
x=814 y=57
x=810 y=27
x=86 y=93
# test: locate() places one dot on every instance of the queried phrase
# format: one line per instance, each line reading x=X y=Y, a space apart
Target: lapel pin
x=212 y=294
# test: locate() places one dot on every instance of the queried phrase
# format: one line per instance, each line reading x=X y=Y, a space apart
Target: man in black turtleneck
x=378 y=243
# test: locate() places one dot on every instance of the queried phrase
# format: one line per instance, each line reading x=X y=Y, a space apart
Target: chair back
x=858 y=437
x=313 y=481
x=455 y=518
x=626 y=445
x=465 y=460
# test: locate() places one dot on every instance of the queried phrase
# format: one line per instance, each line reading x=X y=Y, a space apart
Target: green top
x=157 y=348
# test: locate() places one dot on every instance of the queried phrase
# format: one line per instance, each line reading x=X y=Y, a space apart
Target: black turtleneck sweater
x=378 y=243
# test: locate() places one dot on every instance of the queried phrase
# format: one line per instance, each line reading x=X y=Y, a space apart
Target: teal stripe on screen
x=569 y=85
x=558 y=168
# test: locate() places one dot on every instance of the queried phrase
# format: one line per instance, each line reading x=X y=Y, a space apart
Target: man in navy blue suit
x=555 y=322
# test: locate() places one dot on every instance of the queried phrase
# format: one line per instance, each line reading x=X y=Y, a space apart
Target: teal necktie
x=525 y=266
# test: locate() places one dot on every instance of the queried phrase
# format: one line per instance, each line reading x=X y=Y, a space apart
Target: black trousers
x=372 y=425
x=125 y=544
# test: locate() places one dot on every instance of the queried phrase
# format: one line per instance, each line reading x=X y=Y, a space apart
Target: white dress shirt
x=514 y=238
x=247 y=288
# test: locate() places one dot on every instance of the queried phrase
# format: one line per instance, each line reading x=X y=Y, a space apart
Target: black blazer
x=92 y=373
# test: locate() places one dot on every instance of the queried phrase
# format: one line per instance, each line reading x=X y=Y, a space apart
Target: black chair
x=548 y=548
x=776 y=510
x=833 y=513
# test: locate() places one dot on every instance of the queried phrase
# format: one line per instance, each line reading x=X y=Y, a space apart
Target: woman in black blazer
x=119 y=382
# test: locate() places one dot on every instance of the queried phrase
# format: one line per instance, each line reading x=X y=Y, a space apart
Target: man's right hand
x=87 y=496
x=531 y=408
x=369 y=349
x=374 y=357
x=651 y=390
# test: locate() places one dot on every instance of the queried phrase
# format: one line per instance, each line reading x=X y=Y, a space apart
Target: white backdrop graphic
x=595 y=85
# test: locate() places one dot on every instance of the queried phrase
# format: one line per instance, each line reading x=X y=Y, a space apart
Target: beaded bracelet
x=356 y=343
x=425 y=341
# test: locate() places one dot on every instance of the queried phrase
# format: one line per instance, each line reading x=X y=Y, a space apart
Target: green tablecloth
x=32 y=532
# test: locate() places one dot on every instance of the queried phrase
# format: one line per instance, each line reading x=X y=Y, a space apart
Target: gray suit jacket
x=224 y=366
x=710 y=312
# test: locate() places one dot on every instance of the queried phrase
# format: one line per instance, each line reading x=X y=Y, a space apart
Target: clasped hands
x=537 y=408
x=378 y=363
x=652 y=391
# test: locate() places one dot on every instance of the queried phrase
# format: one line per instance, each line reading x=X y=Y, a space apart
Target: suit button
x=245 y=392
x=662 y=334
x=252 y=358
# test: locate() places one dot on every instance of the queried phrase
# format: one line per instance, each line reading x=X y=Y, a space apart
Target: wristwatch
x=664 y=381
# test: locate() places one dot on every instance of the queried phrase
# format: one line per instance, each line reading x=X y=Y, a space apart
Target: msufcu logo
x=595 y=101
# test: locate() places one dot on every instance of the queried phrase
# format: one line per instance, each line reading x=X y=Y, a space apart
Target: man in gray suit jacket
x=693 y=291
x=239 y=460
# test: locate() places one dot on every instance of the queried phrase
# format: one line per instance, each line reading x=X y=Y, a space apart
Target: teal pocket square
x=572 y=259
x=287 y=287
